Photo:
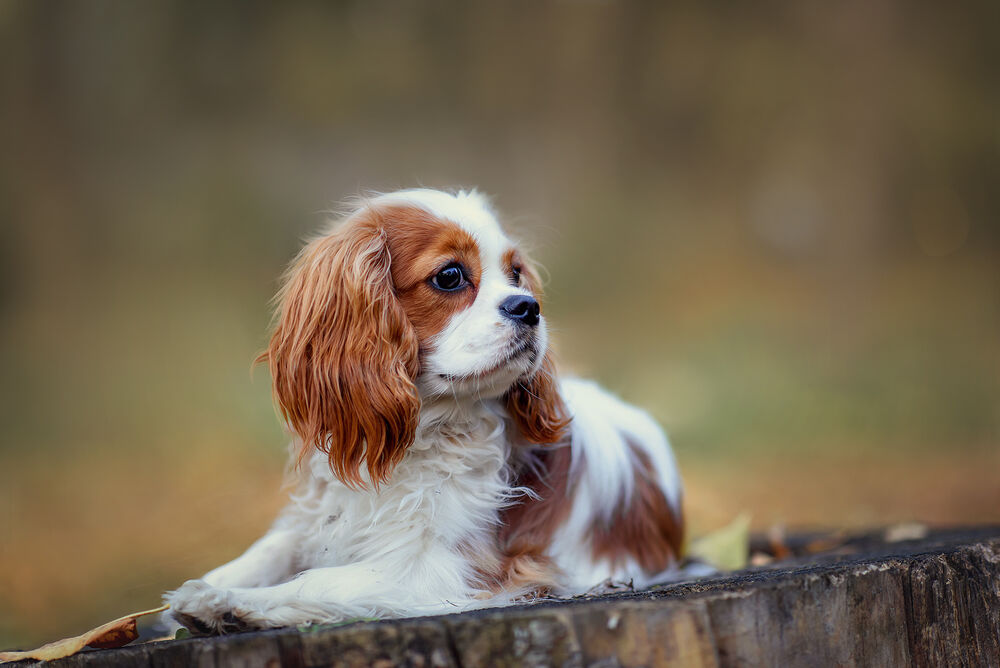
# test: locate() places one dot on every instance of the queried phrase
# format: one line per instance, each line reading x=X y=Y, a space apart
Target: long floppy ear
x=536 y=407
x=343 y=355
x=534 y=403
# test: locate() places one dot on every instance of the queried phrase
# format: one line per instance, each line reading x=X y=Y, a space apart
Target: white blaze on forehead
x=468 y=209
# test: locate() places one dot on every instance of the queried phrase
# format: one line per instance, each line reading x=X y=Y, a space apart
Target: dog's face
x=416 y=296
x=468 y=292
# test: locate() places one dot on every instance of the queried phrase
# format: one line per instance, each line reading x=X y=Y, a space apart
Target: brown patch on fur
x=536 y=406
x=343 y=355
x=421 y=245
x=528 y=574
x=511 y=260
x=532 y=574
x=527 y=526
x=647 y=530
x=530 y=279
x=532 y=520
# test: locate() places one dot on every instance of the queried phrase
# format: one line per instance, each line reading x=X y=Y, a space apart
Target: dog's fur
x=442 y=463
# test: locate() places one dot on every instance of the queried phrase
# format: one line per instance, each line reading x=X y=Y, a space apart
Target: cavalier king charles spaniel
x=442 y=464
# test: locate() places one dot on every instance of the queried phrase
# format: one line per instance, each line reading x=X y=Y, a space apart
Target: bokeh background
x=774 y=226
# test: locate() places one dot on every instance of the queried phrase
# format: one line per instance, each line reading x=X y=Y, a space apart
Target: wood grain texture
x=933 y=602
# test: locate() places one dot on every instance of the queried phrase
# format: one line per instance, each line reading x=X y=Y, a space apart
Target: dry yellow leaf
x=113 y=634
x=727 y=548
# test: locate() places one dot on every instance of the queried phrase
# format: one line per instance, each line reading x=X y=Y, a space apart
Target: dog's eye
x=515 y=275
x=449 y=279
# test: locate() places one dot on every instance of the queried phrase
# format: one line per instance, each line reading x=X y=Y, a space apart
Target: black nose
x=521 y=308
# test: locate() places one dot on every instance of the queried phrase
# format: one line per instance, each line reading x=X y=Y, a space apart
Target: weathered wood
x=934 y=602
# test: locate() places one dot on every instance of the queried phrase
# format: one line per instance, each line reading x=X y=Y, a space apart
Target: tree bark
x=930 y=602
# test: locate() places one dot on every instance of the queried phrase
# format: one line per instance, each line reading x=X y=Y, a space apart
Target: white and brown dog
x=442 y=464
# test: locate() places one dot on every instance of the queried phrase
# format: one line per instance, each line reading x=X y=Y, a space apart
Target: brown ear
x=534 y=403
x=536 y=407
x=343 y=355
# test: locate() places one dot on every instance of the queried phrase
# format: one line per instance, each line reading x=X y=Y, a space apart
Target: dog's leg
x=268 y=561
x=332 y=594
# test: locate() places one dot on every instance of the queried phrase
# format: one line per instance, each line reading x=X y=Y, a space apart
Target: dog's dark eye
x=515 y=275
x=449 y=279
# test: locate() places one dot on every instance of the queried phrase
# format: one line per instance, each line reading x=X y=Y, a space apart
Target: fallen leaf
x=727 y=548
x=113 y=634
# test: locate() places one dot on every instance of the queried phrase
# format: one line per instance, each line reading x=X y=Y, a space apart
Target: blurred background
x=773 y=226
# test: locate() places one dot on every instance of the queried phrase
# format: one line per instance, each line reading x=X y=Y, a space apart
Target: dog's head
x=417 y=295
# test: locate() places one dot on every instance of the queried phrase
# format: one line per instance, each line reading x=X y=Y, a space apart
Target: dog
x=442 y=464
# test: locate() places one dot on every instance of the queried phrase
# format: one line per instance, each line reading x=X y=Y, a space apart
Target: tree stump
x=868 y=602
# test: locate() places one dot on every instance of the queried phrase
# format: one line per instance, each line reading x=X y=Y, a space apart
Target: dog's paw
x=205 y=609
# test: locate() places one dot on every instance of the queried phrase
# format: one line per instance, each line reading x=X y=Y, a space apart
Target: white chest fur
x=446 y=492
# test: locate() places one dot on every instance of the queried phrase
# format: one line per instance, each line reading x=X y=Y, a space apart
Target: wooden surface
x=867 y=602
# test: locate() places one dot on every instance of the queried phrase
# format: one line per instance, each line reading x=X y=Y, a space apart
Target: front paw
x=205 y=609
